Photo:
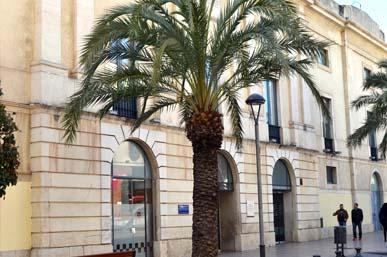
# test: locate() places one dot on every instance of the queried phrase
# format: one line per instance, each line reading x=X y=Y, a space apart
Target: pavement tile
x=324 y=248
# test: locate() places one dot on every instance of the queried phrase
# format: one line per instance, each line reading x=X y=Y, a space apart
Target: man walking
x=342 y=216
x=357 y=219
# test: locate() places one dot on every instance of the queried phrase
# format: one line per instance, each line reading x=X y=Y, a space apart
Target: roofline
x=346 y=23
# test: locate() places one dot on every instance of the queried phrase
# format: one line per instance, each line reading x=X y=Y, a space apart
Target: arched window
x=375 y=185
x=225 y=180
x=131 y=161
x=376 y=199
x=132 y=200
x=281 y=179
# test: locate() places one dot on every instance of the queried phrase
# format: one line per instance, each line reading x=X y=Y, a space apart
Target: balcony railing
x=374 y=153
x=126 y=109
x=274 y=134
x=329 y=146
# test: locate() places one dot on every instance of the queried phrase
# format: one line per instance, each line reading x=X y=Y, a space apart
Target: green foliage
x=375 y=101
x=9 y=156
x=181 y=57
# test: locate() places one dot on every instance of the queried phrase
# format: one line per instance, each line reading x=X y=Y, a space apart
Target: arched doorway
x=228 y=206
x=132 y=200
x=283 y=203
x=376 y=199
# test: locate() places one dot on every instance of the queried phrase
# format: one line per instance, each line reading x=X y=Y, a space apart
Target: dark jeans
x=354 y=225
x=342 y=223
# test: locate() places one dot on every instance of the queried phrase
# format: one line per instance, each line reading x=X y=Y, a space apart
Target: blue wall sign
x=183 y=209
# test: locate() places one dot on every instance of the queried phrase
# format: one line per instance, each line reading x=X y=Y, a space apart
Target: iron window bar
x=374 y=153
x=275 y=134
x=127 y=109
x=329 y=145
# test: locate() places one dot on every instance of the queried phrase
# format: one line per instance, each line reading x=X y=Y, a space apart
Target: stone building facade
x=71 y=200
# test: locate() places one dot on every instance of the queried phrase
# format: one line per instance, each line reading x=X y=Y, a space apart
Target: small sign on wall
x=183 y=209
x=250 y=208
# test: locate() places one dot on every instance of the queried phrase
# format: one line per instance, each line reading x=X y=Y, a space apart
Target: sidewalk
x=325 y=248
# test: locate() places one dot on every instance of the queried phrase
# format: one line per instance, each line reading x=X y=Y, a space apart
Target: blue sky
x=377 y=9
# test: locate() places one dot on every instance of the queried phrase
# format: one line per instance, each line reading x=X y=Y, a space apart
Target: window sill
x=325 y=68
x=332 y=186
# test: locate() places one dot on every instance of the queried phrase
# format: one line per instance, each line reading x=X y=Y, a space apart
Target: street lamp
x=256 y=100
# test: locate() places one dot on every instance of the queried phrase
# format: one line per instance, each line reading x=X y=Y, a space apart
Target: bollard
x=340 y=235
x=358 y=252
x=358 y=248
x=340 y=239
x=338 y=254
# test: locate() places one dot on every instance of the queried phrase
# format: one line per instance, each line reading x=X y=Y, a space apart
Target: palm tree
x=175 y=54
x=376 y=103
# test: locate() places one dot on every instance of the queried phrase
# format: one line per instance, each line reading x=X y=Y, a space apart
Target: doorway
x=279 y=216
x=376 y=200
x=132 y=201
x=227 y=207
x=283 y=203
x=226 y=222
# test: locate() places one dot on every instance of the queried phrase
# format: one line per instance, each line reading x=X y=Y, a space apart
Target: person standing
x=342 y=216
x=357 y=219
x=383 y=219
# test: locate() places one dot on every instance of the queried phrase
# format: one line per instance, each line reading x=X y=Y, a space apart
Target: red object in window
x=138 y=199
x=116 y=184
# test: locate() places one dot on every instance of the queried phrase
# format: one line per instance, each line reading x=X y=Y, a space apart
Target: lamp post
x=256 y=100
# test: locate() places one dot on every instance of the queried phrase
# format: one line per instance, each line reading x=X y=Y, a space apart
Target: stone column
x=347 y=101
x=47 y=31
x=294 y=108
x=47 y=72
x=83 y=23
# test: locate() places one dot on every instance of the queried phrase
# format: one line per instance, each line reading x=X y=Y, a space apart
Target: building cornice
x=20 y=106
x=345 y=23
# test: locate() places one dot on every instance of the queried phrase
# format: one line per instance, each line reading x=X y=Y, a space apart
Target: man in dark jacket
x=357 y=219
x=342 y=216
x=383 y=220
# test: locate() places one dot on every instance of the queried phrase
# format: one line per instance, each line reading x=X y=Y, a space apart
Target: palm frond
x=160 y=104
x=376 y=81
x=301 y=67
x=383 y=64
x=376 y=103
x=234 y=110
x=177 y=56
x=359 y=135
x=383 y=145
x=364 y=100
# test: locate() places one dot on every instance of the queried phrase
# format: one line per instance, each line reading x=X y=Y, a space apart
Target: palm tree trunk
x=205 y=203
x=205 y=131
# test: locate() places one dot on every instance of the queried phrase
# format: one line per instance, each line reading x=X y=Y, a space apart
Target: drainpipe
x=347 y=104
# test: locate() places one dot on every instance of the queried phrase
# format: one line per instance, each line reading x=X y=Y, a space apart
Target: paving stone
x=371 y=243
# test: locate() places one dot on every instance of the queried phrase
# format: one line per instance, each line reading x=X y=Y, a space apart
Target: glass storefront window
x=132 y=200
x=130 y=161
